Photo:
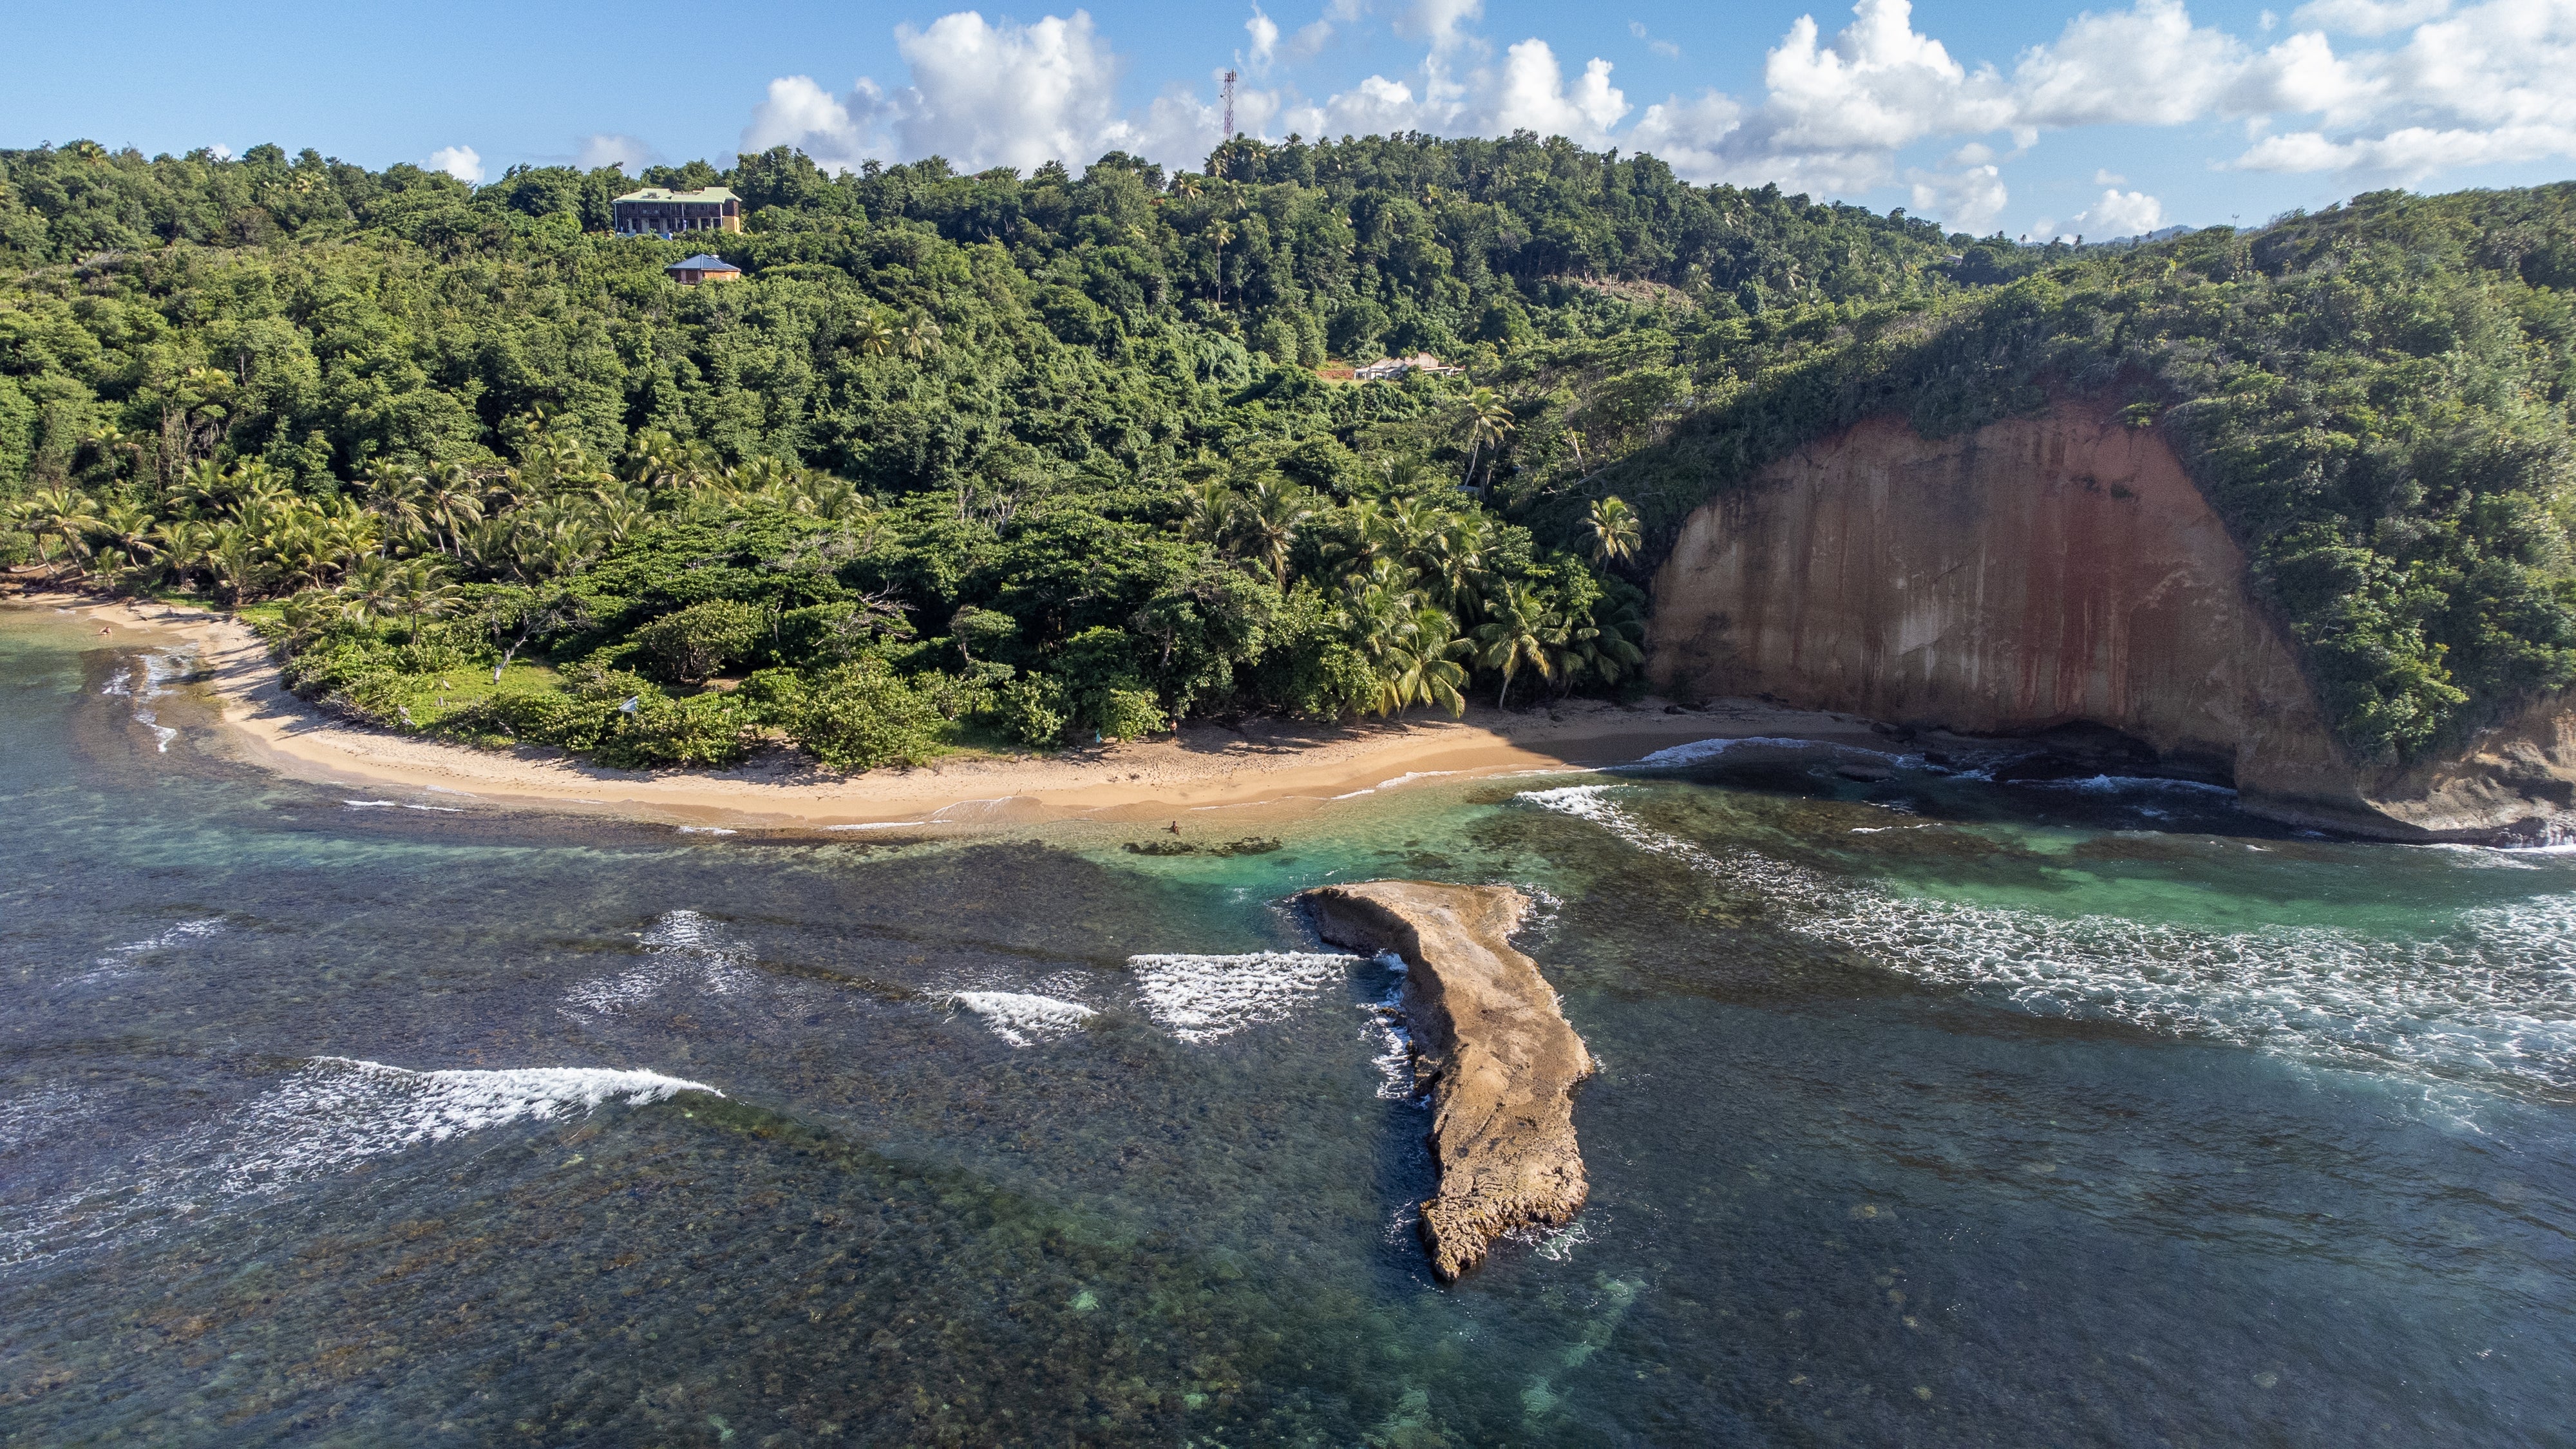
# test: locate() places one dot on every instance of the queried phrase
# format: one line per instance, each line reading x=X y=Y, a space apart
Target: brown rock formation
x=1488 y=1036
x=2042 y=572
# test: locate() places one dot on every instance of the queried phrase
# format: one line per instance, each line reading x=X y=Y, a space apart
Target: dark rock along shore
x=1492 y=1044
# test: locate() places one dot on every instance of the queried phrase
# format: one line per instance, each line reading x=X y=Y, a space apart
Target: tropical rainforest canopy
x=1049 y=458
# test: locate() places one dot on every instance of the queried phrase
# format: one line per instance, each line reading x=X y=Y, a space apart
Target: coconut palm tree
x=1614 y=530
x=182 y=545
x=920 y=336
x=1488 y=424
x=126 y=531
x=1272 y=512
x=1208 y=511
x=64 y=515
x=874 y=335
x=1520 y=630
x=1428 y=670
x=1219 y=234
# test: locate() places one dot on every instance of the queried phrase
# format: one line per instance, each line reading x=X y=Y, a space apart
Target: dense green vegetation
x=1047 y=458
x=2375 y=398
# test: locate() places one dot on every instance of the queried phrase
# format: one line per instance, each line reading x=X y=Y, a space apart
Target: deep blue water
x=1933 y=1112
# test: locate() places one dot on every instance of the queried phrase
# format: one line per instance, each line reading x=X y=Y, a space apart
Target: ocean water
x=1932 y=1112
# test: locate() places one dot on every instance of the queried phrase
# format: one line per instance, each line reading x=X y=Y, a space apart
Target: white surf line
x=2492 y=997
x=682 y=950
x=1017 y=1016
x=333 y=1113
x=1200 y=998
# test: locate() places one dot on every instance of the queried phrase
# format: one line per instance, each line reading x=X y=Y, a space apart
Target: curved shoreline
x=1281 y=766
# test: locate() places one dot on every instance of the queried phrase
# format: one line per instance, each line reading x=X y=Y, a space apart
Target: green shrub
x=705 y=729
x=861 y=717
x=697 y=641
x=1032 y=710
x=560 y=720
x=1126 y=714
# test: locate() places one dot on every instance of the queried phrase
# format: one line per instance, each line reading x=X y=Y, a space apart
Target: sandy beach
x=1266 y=767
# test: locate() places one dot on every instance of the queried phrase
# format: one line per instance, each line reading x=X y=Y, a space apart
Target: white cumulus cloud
x=1265 y=38
x=2120 y=213
x=460 y=162
x=2368 y=17
x=607 y=148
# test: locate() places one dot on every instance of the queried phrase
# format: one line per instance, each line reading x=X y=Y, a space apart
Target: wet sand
x=1264 y=767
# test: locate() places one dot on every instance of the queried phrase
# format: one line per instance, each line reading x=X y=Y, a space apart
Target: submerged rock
x=1492 y=1045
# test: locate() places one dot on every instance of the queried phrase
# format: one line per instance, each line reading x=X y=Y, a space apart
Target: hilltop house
x=660 y=211
x=703 y=268
x=1387 y=369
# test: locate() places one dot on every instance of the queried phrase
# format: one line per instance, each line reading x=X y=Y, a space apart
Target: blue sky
x=2024 y=119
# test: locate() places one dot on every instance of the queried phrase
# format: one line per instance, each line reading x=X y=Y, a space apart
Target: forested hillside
x=1053 y=456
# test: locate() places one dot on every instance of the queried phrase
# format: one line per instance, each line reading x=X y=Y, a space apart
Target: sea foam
x=1019 y=1018
x=145 y=680
x=118 y=960
x=683 y=951
x=2489 y=996
x=332 y=1114
x=1201 y=998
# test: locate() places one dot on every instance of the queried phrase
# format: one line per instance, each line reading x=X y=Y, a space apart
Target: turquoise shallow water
x=1932 y=1112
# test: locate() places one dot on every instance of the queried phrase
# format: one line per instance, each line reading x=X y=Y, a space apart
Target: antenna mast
x=1229 y=106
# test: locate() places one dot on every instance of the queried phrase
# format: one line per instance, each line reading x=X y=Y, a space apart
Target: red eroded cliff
x=2042 y=572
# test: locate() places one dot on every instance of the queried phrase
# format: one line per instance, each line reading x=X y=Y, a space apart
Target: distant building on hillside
x=703 y=268
x=1387 y=369
x=660 y=211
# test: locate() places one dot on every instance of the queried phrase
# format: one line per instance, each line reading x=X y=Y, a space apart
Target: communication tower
x=1229 y=106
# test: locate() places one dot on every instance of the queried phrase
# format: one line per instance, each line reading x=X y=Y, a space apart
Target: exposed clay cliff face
x=1500 y=1058
x=2043 y=572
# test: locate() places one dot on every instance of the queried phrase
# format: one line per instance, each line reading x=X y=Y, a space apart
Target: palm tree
x=875 y=335
x=1220 y=233
x=62 y=514
x=451 y=500
x=182 y=544
x=1488 y=424
x=1428 y=670
x=1451 y=559
x=1207 y=511
x=920 y=336
x=1614 y=530
x=127 y=529
x=1519 y=630
x=1272 y=512
x=373 y=586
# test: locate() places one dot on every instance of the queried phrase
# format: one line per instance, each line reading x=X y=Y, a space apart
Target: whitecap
x=332 y=1114
x=1698 y=751
x=1017 y=1017
x=1201 y=998
x=879 y=825
x=2132 y=784
x=339 y=1111
x=682 y=950
x=704 y=830
x=371 y=804
x=441 y=809
x=116 y=961
x=2490 y=994
x=1392 y=1042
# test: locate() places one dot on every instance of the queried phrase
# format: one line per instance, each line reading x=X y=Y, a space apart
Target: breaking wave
x=2492 y=995
x=145 y=680
x=1018 y=1017
x=1201 y=998
x=117 y=961
x=332 y=1114
x=682 y=950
